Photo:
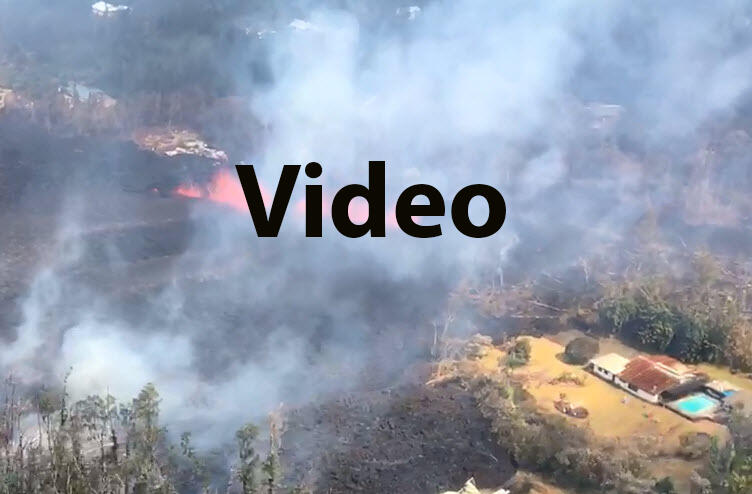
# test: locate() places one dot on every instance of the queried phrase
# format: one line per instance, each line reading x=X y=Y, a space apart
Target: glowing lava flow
x=225 y=188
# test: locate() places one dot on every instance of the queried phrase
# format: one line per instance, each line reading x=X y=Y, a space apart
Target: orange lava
x=189 y=191
x=225 y=188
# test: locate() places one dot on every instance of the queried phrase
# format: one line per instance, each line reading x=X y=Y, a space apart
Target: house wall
x=601 y=372
x=637 y=392
x=606 y=375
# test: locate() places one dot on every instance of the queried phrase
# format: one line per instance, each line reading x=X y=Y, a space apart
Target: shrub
x=568 y=378
x=665 y=486
x=550 y=444
x=580 y=350
x=694 y=445
x=519 y=354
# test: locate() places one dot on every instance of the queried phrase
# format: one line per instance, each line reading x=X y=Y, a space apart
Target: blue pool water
x=697 y=403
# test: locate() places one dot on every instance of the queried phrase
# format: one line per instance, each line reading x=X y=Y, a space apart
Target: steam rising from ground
x=466 y=92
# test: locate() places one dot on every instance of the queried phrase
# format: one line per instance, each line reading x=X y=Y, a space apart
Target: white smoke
x=468 y=91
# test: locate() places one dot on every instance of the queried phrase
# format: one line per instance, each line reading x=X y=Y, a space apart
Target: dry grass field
x=615 y=414
x=612 y=412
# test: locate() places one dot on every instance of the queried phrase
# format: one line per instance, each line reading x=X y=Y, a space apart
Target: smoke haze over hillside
x=502 y=93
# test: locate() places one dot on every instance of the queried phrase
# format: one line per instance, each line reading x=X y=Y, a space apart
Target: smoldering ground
x=228 y=325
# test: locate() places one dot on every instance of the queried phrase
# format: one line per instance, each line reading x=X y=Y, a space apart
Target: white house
x=608 y=366
x=644 y=376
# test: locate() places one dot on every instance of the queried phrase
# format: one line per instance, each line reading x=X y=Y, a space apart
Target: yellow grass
x=488 y=364
x=724 y=374
x=613 y=345
x=612 y=412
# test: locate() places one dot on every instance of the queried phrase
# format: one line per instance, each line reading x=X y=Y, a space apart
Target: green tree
x=272 y=469
x=646 y=319
x=144 y=437
x=738 y=349
x=740 y=476
x=653 y=324
x=615 y=313
x=730 y=465
x=249 y=460
x=146 y=417
x=198 y=474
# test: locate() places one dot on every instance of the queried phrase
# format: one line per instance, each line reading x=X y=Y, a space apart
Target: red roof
x=670 y=362
x=642 y=372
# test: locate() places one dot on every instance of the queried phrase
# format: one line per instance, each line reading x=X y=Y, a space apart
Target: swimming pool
x=696 y=404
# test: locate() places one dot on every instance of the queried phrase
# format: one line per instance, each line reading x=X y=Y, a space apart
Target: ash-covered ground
x=404 y=438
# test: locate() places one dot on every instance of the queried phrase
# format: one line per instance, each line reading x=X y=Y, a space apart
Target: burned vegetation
x=127 y=255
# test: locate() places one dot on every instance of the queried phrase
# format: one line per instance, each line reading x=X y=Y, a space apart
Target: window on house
x=632 y=387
